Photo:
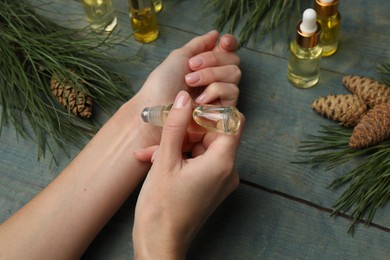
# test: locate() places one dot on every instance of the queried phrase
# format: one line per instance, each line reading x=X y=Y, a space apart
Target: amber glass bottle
x=329 y=19
x=143 y=20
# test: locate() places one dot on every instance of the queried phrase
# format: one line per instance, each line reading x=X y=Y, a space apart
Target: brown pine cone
x=78 y=102
x=373 y=128
x=344 y=108
x=371 y=91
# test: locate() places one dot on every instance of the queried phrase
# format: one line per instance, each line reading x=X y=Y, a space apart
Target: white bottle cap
x=326 y=1
x=309 y=23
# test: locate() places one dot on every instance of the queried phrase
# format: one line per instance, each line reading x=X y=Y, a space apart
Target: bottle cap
x=309 y=22
x=308 y=30
x=326 y=8
x=140 y=4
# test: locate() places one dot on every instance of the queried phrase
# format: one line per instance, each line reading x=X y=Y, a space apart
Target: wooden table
x=281 y=210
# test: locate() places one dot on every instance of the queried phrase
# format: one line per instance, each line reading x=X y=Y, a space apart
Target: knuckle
x=235 y=91
x=210 y=59
x=236 y=71
x=208 y=75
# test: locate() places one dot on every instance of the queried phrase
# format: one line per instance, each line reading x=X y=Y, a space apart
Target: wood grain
x=281 y=210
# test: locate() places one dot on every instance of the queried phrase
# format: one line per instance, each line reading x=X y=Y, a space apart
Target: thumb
x=175 y=127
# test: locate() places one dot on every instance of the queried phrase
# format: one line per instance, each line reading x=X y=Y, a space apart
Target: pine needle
x=32 y=50
x=384 y=71
x=368 y=185
x=260 y=16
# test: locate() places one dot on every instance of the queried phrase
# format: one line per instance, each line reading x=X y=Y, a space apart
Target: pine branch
x=33 y=49
x=368 y=184
x=260 y=16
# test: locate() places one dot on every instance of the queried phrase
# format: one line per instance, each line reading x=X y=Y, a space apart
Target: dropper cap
x=308 y=29
x=326 y=8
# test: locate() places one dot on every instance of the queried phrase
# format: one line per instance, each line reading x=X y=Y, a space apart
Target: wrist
x=128 y=118
x=157 y=246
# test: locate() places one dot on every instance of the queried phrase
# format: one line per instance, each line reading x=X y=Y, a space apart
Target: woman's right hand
x=180 y=193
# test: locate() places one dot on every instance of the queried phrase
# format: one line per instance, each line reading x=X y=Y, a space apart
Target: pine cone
x=371 y=91
x=79 y=103
x=373 y=128
x=344 y=108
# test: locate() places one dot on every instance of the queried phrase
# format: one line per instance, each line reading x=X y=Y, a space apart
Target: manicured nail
x=196 y=62
x=227 y=42
x=200 y=98
x=192 y=77
x=213 y=31
x=181 y=99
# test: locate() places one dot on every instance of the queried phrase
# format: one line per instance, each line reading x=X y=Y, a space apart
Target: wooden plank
x=252 y=223
x=364 y=33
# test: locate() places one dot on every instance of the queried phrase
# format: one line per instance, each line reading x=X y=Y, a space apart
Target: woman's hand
x=179 y=194
x=204 y=67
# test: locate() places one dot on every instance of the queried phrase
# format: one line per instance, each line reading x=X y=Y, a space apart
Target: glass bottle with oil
x=329 y=19
x=158 y=5
x=224 y=119
x=143 y=20
x=100 y=15
x=305 y=52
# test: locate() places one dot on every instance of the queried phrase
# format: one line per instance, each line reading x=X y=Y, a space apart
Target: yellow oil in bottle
x=144 y=24
x=158 y=5
x=100 y=15
x=330 y=33
x=304 y=65
x=329 y=18
x=305 y=52
x=224 y=119
x=219 y=119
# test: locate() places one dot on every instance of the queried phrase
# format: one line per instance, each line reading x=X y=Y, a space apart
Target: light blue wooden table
x=281 y=210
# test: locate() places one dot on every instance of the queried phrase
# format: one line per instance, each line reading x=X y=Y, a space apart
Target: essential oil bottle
x=329 y=18
x=100 y=15
x=224 y=119
x=158 y=5
x=143 y=20
x=305 y=52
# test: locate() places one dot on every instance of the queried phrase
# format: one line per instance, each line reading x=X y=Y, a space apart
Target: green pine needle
x=368 y=185
x=32 y=50
x=260 y=16
x=384 y=71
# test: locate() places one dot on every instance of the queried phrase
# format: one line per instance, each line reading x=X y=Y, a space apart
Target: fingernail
x=192 y=77
x=213 y=31
x=196 y=62
x=200 y=98
x=181 y=99
x=228 y=42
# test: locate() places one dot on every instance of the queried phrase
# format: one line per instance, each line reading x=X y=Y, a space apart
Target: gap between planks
x=312 y=204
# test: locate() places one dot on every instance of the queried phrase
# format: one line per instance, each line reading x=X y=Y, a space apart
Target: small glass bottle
x=224 y=119
x=305 y=52
x=100 y=15
x=329 y=19
x=143 y=20
x=158 y=5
